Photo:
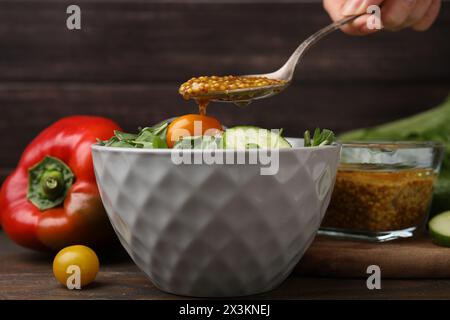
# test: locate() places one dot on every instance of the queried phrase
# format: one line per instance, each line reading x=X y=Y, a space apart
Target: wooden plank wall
x=131 y=55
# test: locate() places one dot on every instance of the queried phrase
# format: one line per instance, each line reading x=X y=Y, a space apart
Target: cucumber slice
x=248 y=137
x=440 y=229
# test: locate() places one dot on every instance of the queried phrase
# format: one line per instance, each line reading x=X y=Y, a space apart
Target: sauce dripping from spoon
x=202 y=105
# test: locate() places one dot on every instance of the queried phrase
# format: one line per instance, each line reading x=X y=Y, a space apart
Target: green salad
x=165 y=135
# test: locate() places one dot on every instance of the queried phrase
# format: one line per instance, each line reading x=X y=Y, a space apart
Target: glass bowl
x=383 y=190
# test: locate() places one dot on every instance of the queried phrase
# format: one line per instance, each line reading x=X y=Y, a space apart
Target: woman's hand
x=395 y=14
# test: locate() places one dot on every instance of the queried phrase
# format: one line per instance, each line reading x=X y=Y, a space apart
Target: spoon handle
x=328 y=29
x=309 y=42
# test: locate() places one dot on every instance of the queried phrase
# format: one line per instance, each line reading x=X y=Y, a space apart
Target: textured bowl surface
x=215 y=230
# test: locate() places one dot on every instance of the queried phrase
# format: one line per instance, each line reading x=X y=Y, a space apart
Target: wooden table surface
x=28 y=275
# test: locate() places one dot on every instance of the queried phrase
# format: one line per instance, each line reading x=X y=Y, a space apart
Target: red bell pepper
x=51 y=200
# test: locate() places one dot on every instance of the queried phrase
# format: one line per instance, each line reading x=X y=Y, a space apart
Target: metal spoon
x=285 y=73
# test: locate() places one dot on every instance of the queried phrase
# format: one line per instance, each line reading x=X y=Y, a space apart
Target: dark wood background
x=131 y=55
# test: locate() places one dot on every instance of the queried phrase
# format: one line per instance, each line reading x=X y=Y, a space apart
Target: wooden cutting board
x=410 y=258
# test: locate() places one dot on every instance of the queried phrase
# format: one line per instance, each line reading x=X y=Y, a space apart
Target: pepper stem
x=52 y=184
x=48 y=182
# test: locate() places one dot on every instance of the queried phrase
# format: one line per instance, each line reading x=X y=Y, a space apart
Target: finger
x=395 y=13
x=332 y=6
x=369 y=27
x=429 y=17
x=359 y=27
x=418 y=12
x=356 y=27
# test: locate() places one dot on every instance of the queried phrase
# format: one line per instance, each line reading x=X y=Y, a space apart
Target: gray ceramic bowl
x=215 y=230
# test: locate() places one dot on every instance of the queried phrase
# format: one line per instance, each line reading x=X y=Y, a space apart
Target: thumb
x=351 y=7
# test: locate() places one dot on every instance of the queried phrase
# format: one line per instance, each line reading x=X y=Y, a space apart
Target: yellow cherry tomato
x=76 y=259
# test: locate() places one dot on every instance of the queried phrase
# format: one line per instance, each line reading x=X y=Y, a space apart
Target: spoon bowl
x=243 y=96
